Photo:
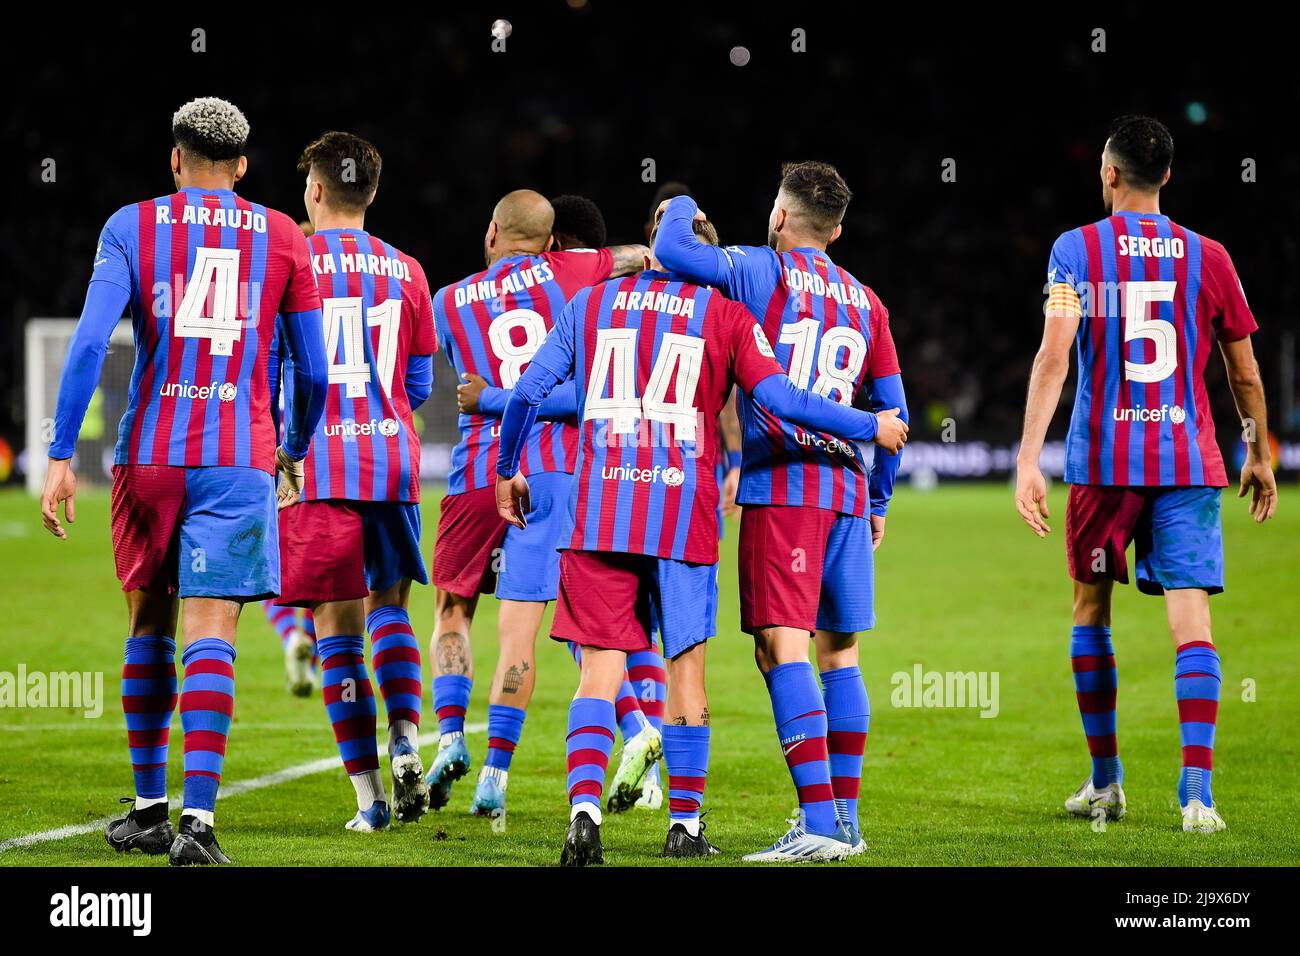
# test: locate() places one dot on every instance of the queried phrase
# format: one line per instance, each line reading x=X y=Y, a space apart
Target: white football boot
x=1088 y=801
x=298 y=652
x=800 y=846
x=1198 y=818
x=639 y=754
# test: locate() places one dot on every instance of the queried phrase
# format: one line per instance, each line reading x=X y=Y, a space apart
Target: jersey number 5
x=614 y=362
x=1138 y=325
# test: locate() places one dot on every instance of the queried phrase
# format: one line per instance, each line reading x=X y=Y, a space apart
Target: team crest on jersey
x=227 y=391
x=388 y=427
x=673 y=477
x=760 y=339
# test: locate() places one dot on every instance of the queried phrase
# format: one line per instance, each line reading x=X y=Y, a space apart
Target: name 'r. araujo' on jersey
x=1152 y=297
x=377 y=313
x=491 y=324
x=207 y=272
x=831 y=335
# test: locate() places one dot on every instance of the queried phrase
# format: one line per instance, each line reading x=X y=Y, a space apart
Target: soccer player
x=351 y=546
x=490 y=324
x=204 y=272
x=298 y=642
x=579 y=224
x=807 y=494
x=1142 y=299
x=653 y=358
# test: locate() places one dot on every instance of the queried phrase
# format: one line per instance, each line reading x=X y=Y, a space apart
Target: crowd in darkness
x=592 y=102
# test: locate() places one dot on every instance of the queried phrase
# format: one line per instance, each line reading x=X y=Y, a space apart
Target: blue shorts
x=608 y=598
x=529 y=567
x=205 y=532
x=1177 y=536
x=807 y=568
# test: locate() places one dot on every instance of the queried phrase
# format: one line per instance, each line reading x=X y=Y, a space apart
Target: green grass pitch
x=962 y=586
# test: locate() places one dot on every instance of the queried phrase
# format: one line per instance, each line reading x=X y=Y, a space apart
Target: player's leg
x=847 y=606
x=512 y=688
x=146 y=507
x=350 y=704
x=230 y=554
x=298 y=649
x=1181 y=553
x=781 y=560
x=393 y=561
x=1099 y=523
x=648 y=679
x=686 y=602
x=603 y=605
x=466 y=558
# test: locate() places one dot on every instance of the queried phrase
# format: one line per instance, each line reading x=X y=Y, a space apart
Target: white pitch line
x=121 y=727
x=227 y=790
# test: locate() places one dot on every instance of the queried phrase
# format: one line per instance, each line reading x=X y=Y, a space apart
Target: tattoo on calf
x=453 y=653
x=514 y=678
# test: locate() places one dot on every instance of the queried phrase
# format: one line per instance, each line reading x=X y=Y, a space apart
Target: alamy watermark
x=55 y=690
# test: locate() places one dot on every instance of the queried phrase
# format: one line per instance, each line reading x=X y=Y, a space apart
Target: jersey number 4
x=215 y=277
x=614 y=363
x=1139 y=325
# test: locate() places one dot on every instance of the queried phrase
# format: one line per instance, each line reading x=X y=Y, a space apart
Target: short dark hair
x=348 y=166
x=210 y=128
x=820 y=191
x=579 y=217
x=703 y=229
x=1144 y=148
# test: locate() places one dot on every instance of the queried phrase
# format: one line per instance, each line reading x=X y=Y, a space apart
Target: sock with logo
x=350 y=705
x=801 y=727
x=148 y=702
x=848 y=716
x=1092 y=658
x=395 y=656
x=1197 y=678
x=588 y=745
x=450 y=701
x=207 y=704
x=686 y=751
x=505 y=726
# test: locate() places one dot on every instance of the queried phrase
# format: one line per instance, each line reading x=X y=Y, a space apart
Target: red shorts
x=322 y=553
x=470 y=533
x=146 y=517
x=806 y=568
x=604 y=600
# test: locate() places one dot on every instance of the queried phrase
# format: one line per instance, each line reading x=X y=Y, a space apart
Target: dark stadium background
x=583 y=96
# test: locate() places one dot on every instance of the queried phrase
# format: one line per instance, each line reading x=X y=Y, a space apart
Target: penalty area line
x=226 y=791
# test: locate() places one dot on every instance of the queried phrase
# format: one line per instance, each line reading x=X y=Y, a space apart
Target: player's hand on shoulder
x=468 y=392
x=60 y=487
x=891 y=431
x=1257 y=479
x=1031 y=498
x=291 y=479
x=513 y=500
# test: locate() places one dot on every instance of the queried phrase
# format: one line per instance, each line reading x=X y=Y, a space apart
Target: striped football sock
x=848 y=717
x=395 y=656
x=627 y=710
x=281 y=618
x=588 y=745
x=801 y=727
x=505 y=725
x=1092 y=658
x=1197 y=678
x=646 y=673
x=350 y=705
x=686 y=751
x=450 y=701
x=148 y=701
x=207 y=704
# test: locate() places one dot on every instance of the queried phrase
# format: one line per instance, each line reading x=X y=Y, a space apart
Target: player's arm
x=1248 y=392
x=105 y=302
x=732 y=442
x=551 y=365
x=304 y=340
x=419 y=379
x=758 y=373
x=1051 y=368
x=679 y=251
x=424 y=342
x=274 y=367
x=886 y=392
x=475 y=396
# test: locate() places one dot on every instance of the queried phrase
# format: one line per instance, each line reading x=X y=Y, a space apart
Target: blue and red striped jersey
x=377 y=314
x=207 y=272
x=490 y=324
x=654 y=360
x=1152 y=298
x=831 y=335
